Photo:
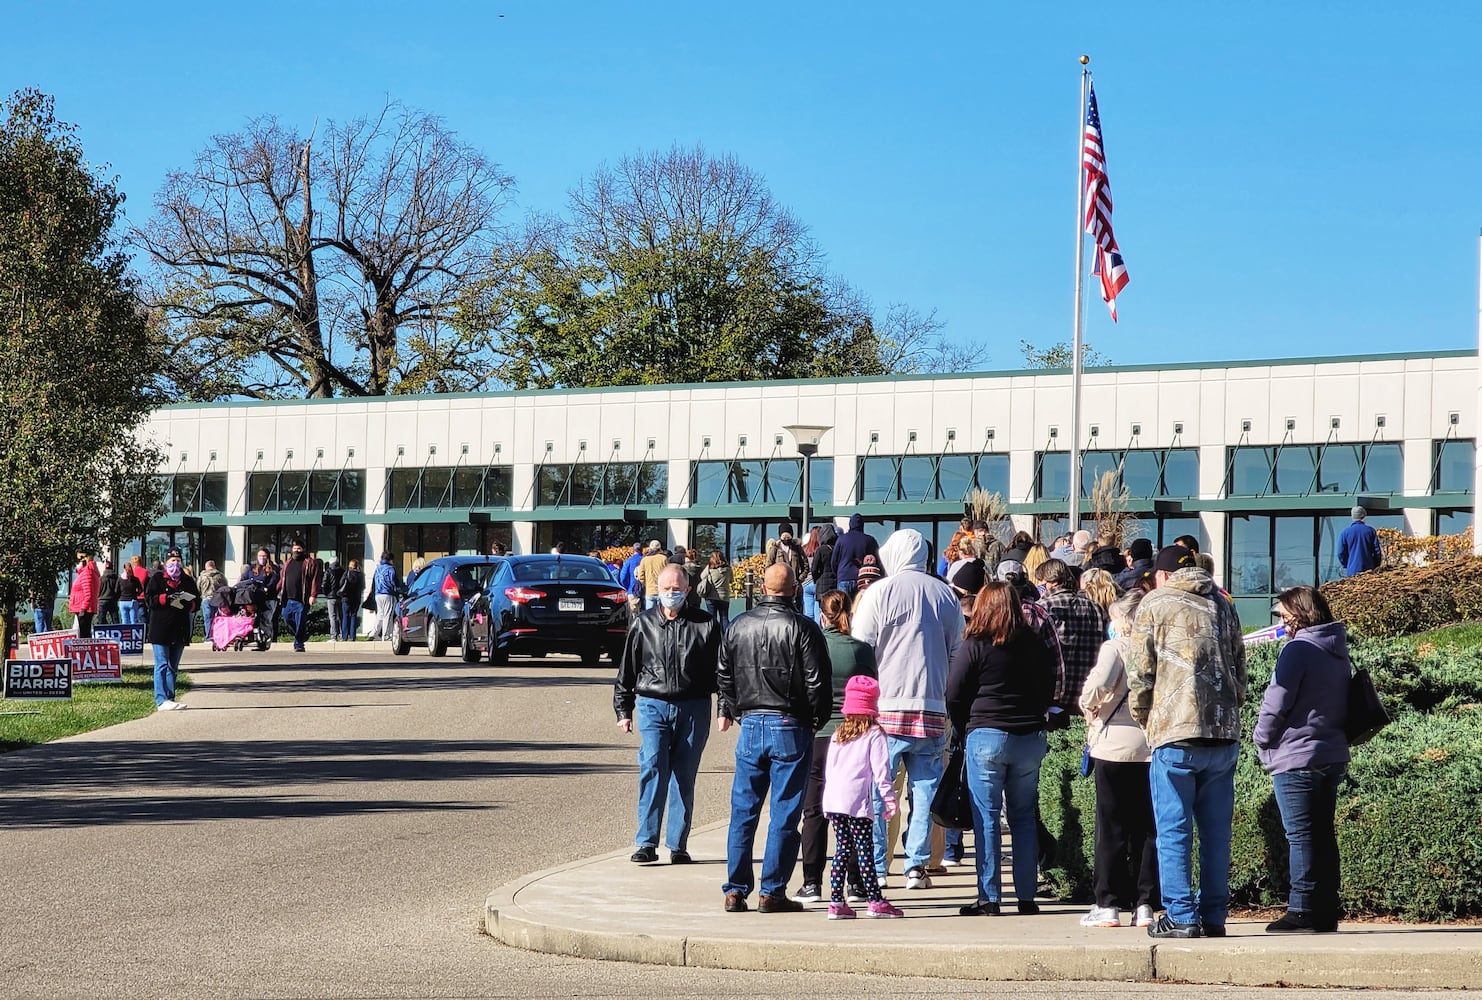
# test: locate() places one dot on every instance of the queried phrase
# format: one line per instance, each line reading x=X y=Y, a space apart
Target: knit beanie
x=862 y=696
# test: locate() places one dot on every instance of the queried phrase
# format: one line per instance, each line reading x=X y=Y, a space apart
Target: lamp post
x=806 y=437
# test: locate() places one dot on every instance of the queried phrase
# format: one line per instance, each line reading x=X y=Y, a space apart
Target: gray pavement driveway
x=328 y=825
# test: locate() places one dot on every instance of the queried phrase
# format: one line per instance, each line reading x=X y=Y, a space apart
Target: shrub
x=1408 y=599
x=1409 y=814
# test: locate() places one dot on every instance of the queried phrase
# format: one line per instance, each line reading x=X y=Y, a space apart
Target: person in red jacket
x=82 y=600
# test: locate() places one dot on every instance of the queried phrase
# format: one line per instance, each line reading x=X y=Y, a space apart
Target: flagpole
x=1080 y=271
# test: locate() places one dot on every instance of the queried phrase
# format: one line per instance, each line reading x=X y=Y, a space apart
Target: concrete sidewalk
x=608 y=908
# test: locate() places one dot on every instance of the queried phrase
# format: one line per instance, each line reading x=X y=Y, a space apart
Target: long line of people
x=993 y=646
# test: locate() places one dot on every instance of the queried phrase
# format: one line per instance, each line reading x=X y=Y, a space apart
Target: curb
x=1351 y=960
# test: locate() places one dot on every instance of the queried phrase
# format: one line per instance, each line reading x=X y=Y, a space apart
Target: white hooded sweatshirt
x=914 y=621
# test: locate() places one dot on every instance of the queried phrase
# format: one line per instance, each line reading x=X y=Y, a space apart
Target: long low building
x=1262 y=460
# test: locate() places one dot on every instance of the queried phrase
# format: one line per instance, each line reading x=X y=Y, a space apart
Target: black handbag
x=952 y=805
x=1366 y=714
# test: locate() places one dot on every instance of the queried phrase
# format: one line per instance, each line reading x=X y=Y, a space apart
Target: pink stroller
x=227 y=630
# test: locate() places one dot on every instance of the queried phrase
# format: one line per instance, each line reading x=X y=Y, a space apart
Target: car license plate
x=572 y=604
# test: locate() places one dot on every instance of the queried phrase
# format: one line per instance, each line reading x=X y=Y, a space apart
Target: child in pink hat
x=858 y=764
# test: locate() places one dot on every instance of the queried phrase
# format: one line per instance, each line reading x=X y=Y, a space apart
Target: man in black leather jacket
x=665 y=679
x=775 y=678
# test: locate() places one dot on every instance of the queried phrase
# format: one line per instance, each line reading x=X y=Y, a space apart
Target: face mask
x=298 y=555
x=673 y=601
x=1111 y=631
x=172 y=570
x=262 y=560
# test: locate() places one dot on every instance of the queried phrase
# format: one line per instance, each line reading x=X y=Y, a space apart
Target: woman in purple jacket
x=1299 y=738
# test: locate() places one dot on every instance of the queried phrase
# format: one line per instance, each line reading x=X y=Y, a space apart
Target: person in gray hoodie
x=914 y=621
x=1300 y=739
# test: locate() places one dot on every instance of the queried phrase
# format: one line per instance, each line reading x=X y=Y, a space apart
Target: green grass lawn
x=93 y=706
x=1464 y=635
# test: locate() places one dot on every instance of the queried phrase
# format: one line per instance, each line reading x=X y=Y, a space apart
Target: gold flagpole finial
x=1085 y=60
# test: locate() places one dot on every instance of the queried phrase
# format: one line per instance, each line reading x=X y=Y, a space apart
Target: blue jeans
x=922 y=756
x=294 y=614
x=130 y=613
x=210 y=615
x=810 y=600
x=771 y=751
x=673 y=735
x=166 y=666
x=721 y=610
x=1003 y=775
x=349 y=619
x=1308 y=797
x=1194 y=787
x=42 y=618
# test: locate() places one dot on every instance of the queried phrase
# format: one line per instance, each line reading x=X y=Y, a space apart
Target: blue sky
x=1290 y=178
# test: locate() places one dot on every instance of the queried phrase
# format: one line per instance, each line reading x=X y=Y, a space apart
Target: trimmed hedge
x=1409 y=814
x=1403 y=600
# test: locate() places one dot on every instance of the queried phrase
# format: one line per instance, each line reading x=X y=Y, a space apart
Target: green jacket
x=847 y=656
x=1186 y=662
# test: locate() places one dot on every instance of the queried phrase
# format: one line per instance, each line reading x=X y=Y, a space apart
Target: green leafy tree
x=77 y=362
x=1058 y=355
x=681 y=266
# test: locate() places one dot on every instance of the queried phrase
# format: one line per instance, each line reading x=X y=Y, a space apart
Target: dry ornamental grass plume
x=1109 y=500
x=990 y=508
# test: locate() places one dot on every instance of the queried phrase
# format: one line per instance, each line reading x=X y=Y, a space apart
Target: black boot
x=1294 y=922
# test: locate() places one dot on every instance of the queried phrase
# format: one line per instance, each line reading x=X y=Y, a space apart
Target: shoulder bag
x=1366 y=714
x=952 y=805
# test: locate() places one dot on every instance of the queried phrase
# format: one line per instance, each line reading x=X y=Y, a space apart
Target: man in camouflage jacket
x=1187 y=678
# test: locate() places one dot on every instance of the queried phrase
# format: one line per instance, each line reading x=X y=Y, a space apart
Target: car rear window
x=563 y=569
x=474 y=575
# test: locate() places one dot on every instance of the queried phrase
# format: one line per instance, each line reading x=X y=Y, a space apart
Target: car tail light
x=450 y=589
x=523 y=595
x=615 y=596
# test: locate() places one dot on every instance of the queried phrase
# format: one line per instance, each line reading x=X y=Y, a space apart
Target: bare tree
x=282 y=273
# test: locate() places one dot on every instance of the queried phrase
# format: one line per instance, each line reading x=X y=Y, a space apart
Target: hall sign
x=130 y=638
x=95 y=661
x=50 y=645
x=38 y=680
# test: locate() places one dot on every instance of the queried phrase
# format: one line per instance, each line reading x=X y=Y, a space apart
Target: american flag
x=1109 y=266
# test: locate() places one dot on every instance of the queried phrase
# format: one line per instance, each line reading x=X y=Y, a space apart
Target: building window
x=446 y=487
x=773 y=480
x=410 y=542
x=1452 y=522
x=1161 y=530
x=581 y=537
x=1269 y=553
x=329 y=489
x=937 y=531
x=1145 y=472
x=1303 y=470
x=897 y=478
x=1455 y=467
x=609 y=484
x=195 y=494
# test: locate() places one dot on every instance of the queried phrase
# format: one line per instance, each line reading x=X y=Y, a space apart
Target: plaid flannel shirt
x=1080 y=625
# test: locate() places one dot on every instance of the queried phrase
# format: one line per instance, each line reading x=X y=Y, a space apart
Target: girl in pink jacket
x=858 y=764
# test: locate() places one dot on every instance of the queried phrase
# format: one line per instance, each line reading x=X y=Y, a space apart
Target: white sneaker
x=950 y=862
x=1143 y=917
x=169 y=706
x=916 y=878
x=1102 y=916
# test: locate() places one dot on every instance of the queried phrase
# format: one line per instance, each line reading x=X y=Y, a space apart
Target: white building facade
x=1261 y=460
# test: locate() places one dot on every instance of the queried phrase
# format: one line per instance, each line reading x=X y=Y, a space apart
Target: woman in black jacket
x=998 y=690
x=173 y=599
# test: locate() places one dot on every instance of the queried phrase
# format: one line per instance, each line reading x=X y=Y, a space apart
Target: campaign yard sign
x=130 y=638
x=95 y=661
x=39 y=680
x=50 y=645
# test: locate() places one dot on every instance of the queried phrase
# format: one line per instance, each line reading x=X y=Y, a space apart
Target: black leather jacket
x=669 y=660
x=775 y=660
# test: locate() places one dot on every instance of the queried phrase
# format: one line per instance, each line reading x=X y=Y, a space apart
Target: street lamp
x=806 y=437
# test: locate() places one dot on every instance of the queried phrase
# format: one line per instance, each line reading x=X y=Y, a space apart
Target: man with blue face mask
x=664 y=682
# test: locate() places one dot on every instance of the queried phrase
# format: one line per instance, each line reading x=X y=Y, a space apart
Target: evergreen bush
x=1409 y=814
